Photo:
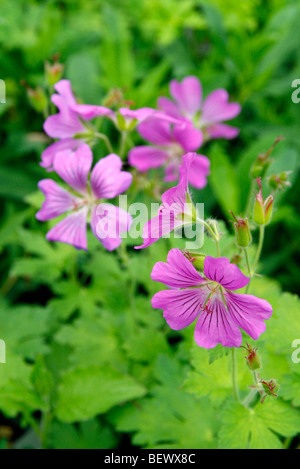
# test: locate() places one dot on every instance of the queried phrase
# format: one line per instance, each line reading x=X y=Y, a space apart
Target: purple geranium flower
x=208 y=115
x=220 y=312
x=69 y=125
x=107 y=181
x=169 y=146
x=176 y=210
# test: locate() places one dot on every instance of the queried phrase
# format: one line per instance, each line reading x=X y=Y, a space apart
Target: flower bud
x=53 y=72
x=242 y=232
x=253 y=359
x=38 y=99
x=263 y=209
x=236 y=259
x=269 y=388
x=280 y=181
x=263 y=162
x=197 y=260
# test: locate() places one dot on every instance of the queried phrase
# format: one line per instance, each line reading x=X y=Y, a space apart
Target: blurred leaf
x=87 y=392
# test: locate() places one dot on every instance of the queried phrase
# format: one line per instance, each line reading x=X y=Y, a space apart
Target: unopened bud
x=53 y=72
x=280 y=181
x=242 y=232
x=38 y=99
x=236 y=259
x=263 y=209
x=253 y=359
x=269 y=388
x=263 y=162
x=197 y=260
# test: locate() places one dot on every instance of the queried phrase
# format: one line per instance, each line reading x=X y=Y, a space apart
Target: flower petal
x=222 y=131
x=107 y=179
x=65 y=124
x=49 y=154
x=161 y=225
x=249 y=313
x=188 y=94
x=172 y=172
x=177 y=272
x=146 y=157
x=57 y=201
x=169 y=107
x=74 y=167
x=108 y=223
x=156 y=131
x=176 y=196
x=180 y=307
x=145 y=113
x=216 y=108
x=64 y=88
x=71 y=230
x=217 y=327
x=189 y=138
x=200 y=169
x=228 y=275
x=89 y=111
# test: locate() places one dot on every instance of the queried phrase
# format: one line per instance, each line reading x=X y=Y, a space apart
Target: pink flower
x=107 y=181
x=176 y=209
x=207 y=115
x=220 y=312
x=169 y=146
x=70 y=123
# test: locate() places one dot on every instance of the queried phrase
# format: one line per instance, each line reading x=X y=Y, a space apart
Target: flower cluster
x=204 y=291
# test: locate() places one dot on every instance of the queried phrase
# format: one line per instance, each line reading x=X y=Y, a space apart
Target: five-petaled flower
x=177 y=209
x=85 y=198
x=220 y=312
x=169 y=144
x=208 y=115
x=71 y=124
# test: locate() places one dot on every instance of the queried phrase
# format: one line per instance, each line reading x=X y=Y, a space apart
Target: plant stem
x=247 y=210
x=122 y=144
x=259 y=249
x=257 y=257
x=249 y=269
x=105 y=140
x=213 y=234
x=248 y=399
x=234 y=375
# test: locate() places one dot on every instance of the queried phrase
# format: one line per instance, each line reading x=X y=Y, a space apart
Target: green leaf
x=214 y=380
x=218 y=352
x=284 y=327
x=290 y=388
x=224 y=181
x=170 y=418
x=253 y=429
x=86 y=392
x=87 y=435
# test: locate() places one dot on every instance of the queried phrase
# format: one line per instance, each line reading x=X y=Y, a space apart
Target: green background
x=80 y=326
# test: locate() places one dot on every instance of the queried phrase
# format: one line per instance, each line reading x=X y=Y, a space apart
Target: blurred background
x=251 y=48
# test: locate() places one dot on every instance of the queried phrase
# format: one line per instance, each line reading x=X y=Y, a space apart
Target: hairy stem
x=234 y=375
x=259 y=249
x=105 y=140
